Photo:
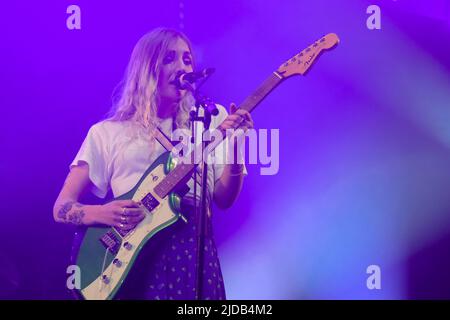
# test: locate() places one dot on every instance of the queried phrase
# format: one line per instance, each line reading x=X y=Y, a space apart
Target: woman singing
x=116 y=153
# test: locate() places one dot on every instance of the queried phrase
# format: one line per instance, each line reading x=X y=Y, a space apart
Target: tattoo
x=67 y=215
x=76 y=217
x=65 y=208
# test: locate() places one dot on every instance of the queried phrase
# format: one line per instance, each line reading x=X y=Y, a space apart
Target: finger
x=249 y=124
x=235 y=120
x=234 y=117
x=248 y=116
x=228 y=124
x=128 y=203
x=120 y=225
x=128 y=213
x=233 y=107
x=125 y=227
x=131 y=212
x=125 y=222
x=134 y=220
x=245 y=115
x=244 y=125
x=244 y=128
x=241 y=112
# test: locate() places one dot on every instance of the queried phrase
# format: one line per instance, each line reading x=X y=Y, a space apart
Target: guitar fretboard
x=259 y=94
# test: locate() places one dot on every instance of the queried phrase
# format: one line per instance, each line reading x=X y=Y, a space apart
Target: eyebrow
x=184 y=53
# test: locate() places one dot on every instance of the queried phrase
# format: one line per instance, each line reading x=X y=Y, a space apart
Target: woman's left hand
x=238 y=119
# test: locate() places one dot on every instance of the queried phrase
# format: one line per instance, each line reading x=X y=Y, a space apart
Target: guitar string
x=103 y=269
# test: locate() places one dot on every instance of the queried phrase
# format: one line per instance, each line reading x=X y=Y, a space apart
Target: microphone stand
x=209 y=109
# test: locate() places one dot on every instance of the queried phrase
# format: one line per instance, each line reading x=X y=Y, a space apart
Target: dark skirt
x=166 y=267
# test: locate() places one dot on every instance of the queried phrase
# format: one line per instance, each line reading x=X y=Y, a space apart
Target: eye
x=187 y=59
x=169 y=57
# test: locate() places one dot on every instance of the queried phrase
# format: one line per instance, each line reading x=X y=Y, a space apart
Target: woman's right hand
x=123 y=214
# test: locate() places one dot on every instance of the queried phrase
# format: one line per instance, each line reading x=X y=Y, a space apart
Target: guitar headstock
x=300 y=63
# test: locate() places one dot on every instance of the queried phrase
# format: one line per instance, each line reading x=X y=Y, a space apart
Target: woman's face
x=177 y=58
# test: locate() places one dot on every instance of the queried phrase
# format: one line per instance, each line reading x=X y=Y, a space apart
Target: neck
x=166 y=108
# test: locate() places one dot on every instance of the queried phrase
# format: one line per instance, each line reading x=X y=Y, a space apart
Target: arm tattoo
x=69 y=215
x=65 y=208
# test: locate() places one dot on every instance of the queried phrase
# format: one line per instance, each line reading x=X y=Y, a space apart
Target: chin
x=179 y=95
x=173 y=96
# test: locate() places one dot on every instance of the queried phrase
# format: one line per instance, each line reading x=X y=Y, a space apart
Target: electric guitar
x=105 y=255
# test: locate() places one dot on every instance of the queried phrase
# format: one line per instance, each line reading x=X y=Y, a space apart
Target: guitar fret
x=172 y=179
x=264 y=89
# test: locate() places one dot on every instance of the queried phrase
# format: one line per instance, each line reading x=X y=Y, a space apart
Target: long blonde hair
x=135 y=98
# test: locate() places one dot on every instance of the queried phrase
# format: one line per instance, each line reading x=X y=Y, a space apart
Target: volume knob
x=117 y=263
x=105 y=279
x=127 y=245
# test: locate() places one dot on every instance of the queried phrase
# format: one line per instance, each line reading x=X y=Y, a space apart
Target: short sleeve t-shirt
x=117 y=158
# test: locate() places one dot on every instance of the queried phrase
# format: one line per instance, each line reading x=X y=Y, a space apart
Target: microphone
x=185 y=80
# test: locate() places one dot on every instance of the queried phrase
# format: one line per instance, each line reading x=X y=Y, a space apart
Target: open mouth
x=176 y=80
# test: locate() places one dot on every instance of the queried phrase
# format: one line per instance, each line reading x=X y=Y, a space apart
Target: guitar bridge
x=110 y=242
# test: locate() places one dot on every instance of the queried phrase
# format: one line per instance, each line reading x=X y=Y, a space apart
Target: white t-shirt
x=117 y=158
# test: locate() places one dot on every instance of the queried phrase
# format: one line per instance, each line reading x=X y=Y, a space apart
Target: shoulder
x=107 y=128
x=107 y=133
x=108 y=125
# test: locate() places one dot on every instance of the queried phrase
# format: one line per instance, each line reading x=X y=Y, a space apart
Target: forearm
x=229 y=186
x=72 y=212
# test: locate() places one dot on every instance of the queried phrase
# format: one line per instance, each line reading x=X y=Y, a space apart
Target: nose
x=181 y=67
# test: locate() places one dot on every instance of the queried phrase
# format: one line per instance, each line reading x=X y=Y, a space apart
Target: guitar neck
x=253 y=100
x=180 y=172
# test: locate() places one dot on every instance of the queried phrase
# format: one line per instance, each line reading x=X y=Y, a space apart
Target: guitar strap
x=168 y=144
x=163 y=139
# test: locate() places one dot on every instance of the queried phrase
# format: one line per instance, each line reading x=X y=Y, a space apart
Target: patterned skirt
x=166 y=268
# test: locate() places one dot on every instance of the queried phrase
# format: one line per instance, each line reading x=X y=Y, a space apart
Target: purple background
x=364 y=139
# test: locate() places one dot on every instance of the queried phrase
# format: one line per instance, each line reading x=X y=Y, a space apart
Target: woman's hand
x=238 y=119
x=123 y=214
x=229 y=186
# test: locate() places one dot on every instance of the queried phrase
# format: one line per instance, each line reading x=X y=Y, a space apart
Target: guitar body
x=105 y=255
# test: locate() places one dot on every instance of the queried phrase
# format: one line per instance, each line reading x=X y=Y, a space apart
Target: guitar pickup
x=150 y=202
x=110 y=242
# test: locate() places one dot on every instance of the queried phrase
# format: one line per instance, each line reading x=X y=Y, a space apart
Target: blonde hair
x=135 y=97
